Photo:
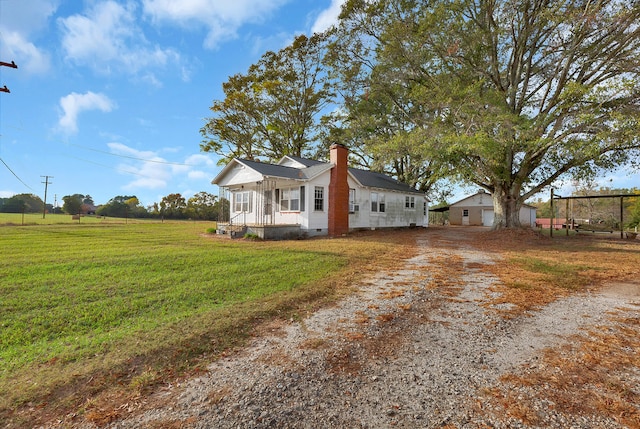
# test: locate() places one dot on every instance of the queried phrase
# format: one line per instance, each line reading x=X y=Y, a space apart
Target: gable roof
x=489 y=201
x=372 y=179
x=304 y=161
x=488 y=204
x=274 y=170
x=312 y=168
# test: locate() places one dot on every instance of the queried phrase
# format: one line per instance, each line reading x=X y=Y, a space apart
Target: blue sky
x=109 y=96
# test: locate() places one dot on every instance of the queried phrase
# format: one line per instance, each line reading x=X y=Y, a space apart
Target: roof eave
x=225 y=170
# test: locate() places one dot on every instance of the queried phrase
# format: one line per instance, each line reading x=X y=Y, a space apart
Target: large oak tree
x=511 y=95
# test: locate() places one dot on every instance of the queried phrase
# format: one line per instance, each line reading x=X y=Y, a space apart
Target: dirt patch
x=630 y=290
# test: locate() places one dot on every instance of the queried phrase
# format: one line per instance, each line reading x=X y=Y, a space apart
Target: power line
x=181 y=164
x=107 y=166
x=133 y=157
x=16 y=176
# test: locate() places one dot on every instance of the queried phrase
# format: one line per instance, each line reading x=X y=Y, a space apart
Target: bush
x=211 y=230
x=252 y=236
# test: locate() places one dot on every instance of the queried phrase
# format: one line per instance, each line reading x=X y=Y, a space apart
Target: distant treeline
x=202 y=206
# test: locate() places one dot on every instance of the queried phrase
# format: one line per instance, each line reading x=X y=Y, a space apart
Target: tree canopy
x=21 y=203
x=511 y=95
x=123 y=206
x=508 y=95
x=272 y=110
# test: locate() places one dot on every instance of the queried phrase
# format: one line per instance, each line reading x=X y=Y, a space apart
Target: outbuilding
x=477 y=210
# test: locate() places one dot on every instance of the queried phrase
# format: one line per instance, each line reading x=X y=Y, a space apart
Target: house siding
x=475 y=215
x=395 y=214
x=269 y=179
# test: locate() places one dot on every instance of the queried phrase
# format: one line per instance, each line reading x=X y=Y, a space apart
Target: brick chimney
x=338 y=192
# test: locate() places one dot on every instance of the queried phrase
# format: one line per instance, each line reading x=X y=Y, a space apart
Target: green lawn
x=51 y=219
x=80 y=300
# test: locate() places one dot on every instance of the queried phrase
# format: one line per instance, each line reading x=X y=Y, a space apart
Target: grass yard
x=538 y=270
x=86 y=308
x=99 y=312
x=54 y=219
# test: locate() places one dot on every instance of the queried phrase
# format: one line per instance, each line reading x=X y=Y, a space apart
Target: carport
x=567 y=199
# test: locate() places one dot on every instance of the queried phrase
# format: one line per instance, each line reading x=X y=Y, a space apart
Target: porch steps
x=235 y=231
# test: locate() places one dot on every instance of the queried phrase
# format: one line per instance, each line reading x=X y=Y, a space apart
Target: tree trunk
x=506 y=208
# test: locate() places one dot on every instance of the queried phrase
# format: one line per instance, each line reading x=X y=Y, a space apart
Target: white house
x=477 y=209
x=302 y=197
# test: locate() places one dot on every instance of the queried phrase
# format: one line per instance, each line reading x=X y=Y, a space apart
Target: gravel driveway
x=419 y=347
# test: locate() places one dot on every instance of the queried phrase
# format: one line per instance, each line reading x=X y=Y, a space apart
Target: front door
x=487 y=217
x=465 y=217
x=268 y=207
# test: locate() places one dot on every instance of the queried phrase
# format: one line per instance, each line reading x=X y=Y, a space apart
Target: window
x=465 y=213
x=242 y=201
x=290 y=199
x=409 y=202
x=377 y=202
x=352 y=201
x=318 y=199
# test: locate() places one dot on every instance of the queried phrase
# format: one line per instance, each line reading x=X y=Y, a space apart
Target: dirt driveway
x=422 y=346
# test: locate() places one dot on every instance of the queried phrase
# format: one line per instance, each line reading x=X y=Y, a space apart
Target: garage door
x=487 y=217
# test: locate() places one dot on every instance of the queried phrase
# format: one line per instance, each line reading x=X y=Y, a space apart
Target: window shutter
x=302 y=198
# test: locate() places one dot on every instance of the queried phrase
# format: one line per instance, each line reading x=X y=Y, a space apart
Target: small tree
x=202 y=206
x=634 y=210
x=272 y=110
x=72 y=204
x=173 y=206
x=122 y=206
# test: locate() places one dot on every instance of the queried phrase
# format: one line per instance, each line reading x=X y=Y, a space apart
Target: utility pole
x=13 y=66
x=46 y=184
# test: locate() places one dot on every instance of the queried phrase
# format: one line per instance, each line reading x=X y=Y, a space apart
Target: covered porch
x=255 y=215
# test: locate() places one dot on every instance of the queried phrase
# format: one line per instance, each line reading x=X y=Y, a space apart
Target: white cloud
x=27 y=56
x=197 y=174
x=272 y=42
x=151 y=171
x=73 y=104
x=21 y=22
x=200 y=159
x=107 y=38
x=222 y=19
x=328 y=17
